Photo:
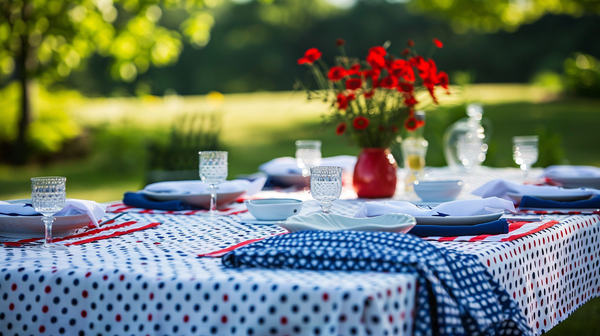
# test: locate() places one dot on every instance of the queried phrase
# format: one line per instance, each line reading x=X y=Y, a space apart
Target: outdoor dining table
x=163 y=280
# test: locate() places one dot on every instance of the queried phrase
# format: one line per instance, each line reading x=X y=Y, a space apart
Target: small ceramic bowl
x=274 y=209
x=438 y=191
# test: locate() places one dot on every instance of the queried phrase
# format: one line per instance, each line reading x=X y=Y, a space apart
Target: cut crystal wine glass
x=48 y=196
x=525 y=151
x=213 y=170
x=326 y=185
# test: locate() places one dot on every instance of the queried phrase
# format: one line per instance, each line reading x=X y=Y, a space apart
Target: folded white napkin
x=93 y=210
x=501 y=188
x=572 y=171
x=288 y=165
x=72 y=207
x=199 y=187
x=455 y=208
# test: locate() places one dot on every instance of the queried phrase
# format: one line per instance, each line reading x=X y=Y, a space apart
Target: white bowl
x=438 y=191
x=274 y=209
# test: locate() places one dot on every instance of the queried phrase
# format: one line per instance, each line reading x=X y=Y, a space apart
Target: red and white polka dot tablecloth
x=152 y=282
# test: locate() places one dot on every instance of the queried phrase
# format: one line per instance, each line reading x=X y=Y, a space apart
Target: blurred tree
x=489 y=16
x=47 y=39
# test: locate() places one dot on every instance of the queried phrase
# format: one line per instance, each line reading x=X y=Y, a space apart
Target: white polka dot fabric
x=550 y=273
x=151 y=282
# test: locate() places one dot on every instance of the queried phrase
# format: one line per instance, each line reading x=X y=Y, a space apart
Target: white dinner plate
x=567 y=196
x=577 y=182
x=458 y=220
x=289 y=179
x=199 y=200
x=320 y=221
x=32 y=226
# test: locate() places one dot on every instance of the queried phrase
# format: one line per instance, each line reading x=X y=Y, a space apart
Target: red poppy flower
x=438 y=43
x=336 y=73
x=369 y=94
x=360 y=123
x=354 y=70
x=410 y=100
x=350 y=97
x=432 y=65
x=398 y=67
x=405 y=52
x=389 y=82
x=340 y=129
x=443 y=77
x=409 y=75
x=340 y=42
x=310 y=56
x=375 y=57
x=394 y=128
x=411 y=43
x=378 y=50
x=353 y=83
x=420 y=123
x=373 y=73
x=341 y=101
x=405 y=87
x=411 y=124
x=422 y=65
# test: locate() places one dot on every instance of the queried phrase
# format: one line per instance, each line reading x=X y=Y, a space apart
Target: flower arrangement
x=373 y=99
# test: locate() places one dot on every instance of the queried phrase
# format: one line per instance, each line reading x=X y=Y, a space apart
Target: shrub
x=582 y=74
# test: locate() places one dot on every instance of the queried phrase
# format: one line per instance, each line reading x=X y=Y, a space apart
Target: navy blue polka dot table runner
x=455 y=296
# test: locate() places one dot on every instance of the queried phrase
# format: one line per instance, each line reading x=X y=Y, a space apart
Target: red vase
x=375 y=173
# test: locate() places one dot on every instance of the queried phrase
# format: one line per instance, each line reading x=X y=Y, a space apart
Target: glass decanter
x=465 y=141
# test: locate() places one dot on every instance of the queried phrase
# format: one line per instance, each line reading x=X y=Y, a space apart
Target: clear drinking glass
x=213 y=170
x=471 y=151
x=326 y=185
x=48 y=195
x=308 y=154
x=525 y=151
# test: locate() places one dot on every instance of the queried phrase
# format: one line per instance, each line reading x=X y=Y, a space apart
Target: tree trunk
x=20 y=149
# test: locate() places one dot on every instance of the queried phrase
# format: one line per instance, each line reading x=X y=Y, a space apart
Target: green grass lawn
x=257 y=127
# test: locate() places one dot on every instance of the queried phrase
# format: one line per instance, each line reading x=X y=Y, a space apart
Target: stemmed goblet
x=213 y=170
x=525 y=151
x=326 y=185
x=48 y=196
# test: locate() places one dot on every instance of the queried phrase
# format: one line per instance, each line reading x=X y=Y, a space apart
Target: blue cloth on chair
x=140 y=201
x=455 y=296
x=496 y=227
x=534 y=202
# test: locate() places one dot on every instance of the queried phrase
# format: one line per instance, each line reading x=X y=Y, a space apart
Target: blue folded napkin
x=141 y=201
x=499 y=226
x=534 y=202
x=445 y=277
